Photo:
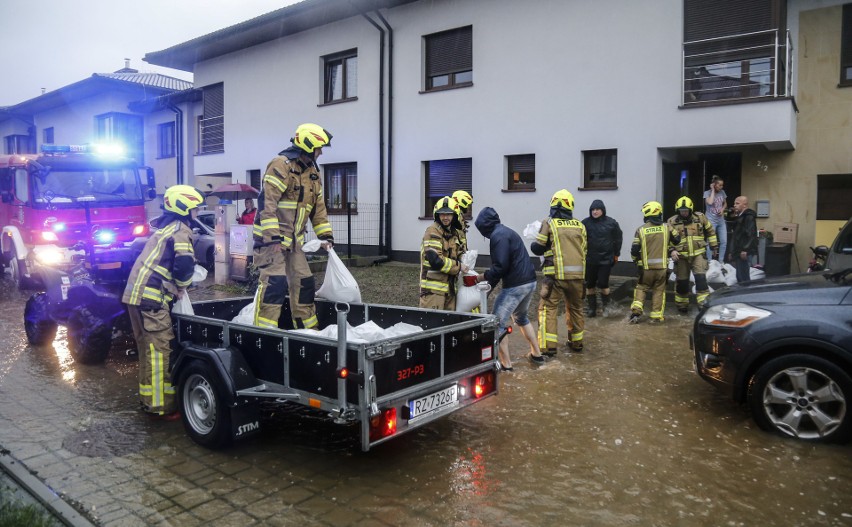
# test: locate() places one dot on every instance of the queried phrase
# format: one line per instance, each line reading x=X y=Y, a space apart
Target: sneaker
x=534 y=359
x=634 y=318
x=500 y=367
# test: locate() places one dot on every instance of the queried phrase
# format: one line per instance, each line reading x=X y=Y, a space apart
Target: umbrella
x=234 y=191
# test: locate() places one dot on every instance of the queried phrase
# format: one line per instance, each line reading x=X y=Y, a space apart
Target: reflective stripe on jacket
x=651 y=245
x=695 y=235
x=447 y=246
x=165 y=265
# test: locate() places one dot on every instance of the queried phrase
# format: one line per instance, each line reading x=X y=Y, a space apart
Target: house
x=616 y=100
x=97 y=110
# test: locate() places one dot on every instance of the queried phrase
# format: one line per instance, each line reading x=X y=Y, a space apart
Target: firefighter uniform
x=650 y=251
x=564 y=269
x=440 y=251
x=291 y=195
x=696 y=234
x=164 y=267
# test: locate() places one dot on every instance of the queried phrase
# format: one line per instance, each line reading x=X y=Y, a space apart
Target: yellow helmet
x=652 y=208
x=181 y=199
x=563 y=199
x=311 y=136
x=446 y=205
x=684 y=203
x=463 y=198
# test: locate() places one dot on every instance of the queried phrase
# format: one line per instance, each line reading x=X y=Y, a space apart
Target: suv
x=840 y=253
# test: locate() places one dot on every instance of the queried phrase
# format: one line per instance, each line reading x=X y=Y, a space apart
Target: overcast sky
x=53 y=43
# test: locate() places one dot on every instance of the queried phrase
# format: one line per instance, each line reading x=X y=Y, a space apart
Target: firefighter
x=562 y=241
x=465 y=202
x=696 y=234
x=161 y=273
x=652 y=244
x=439 y=257
x=291 y=194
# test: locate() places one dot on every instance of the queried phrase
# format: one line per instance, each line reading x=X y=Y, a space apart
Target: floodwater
x=622 y=434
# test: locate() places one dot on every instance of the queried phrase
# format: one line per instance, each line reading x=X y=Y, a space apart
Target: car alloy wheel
x=804 y=397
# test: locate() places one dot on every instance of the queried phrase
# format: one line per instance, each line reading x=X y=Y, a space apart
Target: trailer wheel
x=205 y=417
x=40 y=328
x=89 y=336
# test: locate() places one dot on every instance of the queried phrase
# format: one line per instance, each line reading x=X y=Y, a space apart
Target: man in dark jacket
x=603 y=238
x=510 y=263
x=743 y=246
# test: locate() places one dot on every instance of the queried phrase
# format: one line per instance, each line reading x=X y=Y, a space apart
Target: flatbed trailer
x=222 y=370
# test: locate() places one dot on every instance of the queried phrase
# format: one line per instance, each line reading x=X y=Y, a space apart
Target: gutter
x=178 y=143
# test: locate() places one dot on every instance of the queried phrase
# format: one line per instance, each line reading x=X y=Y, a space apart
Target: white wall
x=551 y=77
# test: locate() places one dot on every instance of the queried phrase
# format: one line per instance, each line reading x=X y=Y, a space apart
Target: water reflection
x=63 y=355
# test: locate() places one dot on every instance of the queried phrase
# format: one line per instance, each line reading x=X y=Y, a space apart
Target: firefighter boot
x=592 y=309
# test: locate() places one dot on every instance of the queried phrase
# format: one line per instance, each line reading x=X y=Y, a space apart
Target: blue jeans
x=722 y=235
x=513 y=303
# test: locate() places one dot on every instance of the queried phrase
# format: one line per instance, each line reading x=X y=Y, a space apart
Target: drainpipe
x=382 y=250
x=390 y=128
x=178 y=142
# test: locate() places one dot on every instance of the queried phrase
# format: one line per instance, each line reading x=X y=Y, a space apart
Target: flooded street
x=622 y=434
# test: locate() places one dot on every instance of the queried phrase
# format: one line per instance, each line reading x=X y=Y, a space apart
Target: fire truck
x=73 y=220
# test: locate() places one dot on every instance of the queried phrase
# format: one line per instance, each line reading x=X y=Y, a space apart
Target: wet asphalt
x=623 y=434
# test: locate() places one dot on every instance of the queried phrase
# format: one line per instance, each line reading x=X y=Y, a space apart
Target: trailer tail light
x=483 y=384
x=383 y=424
x=140 y=230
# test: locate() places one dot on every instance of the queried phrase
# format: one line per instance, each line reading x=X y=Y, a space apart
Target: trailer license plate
x=434 y=402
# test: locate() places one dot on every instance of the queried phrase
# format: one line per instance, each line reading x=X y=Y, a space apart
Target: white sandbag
x=339 y=285
x=714 y=271
x=730 y=273
x=312 y=246
x=199 y=274
x=531 y=230
x=366 y=332
x=183 y=306
x=246 y=315
x=401 y=328
x=467 y=297
x=756 y=274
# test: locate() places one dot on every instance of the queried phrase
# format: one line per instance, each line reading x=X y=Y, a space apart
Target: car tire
x=89 y=336
x=17 y=270
x=206 y=418
x=804 y=397
x=39 y=326
x=211 y=259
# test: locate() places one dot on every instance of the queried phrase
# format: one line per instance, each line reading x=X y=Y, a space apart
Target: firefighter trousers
x=153 y=332
x=283 y=272
x=442 y=301
x=550 y=293
x=697 y=265
x=653 y=280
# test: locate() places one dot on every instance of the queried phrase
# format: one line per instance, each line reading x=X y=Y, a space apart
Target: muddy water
x=623 y=434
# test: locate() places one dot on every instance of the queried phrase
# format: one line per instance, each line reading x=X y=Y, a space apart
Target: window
x=166 y=140
x=123 y=129
x=846 y=47
x=341 y=186
x=521 y=172
x=449 y=59
x=600 y=169
x=834 y=197
x=443 y=177
x=341 y=76
x=47 y=136
x=19 y=144
x=211 y=124
x=734 y=50
x=254 y=178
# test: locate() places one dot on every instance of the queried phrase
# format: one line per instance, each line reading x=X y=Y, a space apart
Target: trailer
x=224 y=370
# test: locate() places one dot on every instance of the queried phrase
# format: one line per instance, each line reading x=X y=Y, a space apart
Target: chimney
x=126 y=63
x=43 y=91
x=127 y=68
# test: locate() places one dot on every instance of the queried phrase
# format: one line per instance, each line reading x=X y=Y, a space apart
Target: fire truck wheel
x=89 y=336
x=16 y=270
x=205 y=417
x=40 y=328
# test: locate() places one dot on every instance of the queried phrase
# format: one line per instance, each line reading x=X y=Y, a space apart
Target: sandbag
x=339 y=285
x=183 y=306
x=199 y=274
x=467 y=297
x=246 y=315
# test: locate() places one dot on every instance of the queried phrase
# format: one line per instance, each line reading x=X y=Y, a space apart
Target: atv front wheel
x=89 y=336
x=40 y=327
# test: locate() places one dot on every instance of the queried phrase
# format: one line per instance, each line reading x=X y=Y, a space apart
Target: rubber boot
x=592 y=310
x=606 y=304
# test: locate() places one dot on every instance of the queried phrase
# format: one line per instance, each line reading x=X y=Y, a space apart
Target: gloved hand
x=616 y=259
x=675 y=256
x=327 y=244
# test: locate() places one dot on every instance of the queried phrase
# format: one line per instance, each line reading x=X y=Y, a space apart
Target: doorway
x=692 y=177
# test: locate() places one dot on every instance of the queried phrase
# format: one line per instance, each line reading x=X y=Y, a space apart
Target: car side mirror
x=151 y=194
x=6 y=197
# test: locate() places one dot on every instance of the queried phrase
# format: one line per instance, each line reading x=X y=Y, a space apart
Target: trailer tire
x=206 y=418
x=89 y=336
x=40 y=327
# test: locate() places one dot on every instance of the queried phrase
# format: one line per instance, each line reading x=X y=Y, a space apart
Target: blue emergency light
x=105 y=236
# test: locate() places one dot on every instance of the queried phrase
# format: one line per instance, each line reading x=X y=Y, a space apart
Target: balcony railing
x=748 y=66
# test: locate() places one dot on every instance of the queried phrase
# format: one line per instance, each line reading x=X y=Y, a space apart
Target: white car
x=840 y=252
x=204 y=243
